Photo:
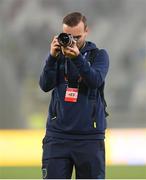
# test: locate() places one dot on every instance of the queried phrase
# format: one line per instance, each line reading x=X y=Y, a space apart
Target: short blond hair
x=74 y=18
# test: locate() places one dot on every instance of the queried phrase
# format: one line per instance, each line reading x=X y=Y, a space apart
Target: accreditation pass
x=71 y=94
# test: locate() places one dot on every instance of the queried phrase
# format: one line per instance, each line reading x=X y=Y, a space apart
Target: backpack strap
x=101 y=90
x=91 y=59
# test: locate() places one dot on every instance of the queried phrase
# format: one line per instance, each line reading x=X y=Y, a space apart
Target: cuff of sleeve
x=51 y=60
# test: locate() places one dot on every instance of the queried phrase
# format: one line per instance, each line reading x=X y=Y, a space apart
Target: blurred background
x=26 y=30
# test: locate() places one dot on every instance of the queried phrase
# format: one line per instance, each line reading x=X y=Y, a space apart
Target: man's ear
x=86 y=30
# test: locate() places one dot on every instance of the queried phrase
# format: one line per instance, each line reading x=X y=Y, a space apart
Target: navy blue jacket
x=84 y=119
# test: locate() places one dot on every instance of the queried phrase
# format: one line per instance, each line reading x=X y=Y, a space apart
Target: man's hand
x=55 y=47
x=72 y=51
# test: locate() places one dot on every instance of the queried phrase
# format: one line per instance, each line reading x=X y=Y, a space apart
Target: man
x=76 y=121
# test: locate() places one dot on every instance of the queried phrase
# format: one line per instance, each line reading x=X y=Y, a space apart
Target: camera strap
x=66 y=73
x=71 y=94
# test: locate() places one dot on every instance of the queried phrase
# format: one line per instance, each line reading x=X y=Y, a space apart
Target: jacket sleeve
x=48 y=77
x=95 y=74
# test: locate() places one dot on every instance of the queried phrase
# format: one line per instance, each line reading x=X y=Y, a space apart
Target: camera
x=65 y=39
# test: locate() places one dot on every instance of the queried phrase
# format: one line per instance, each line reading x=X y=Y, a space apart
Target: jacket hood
x=88 y=47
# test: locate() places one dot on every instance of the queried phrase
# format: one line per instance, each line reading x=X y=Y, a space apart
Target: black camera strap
x=66 y=71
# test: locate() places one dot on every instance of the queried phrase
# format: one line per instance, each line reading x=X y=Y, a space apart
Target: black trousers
x=59 y=157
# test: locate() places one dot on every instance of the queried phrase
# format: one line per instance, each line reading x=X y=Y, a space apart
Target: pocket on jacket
x=54 y=111
x=94 y=114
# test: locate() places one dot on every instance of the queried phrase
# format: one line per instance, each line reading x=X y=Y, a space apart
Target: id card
x=71 y=95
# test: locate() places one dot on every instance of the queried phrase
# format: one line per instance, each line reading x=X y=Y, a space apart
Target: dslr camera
x=65 y=39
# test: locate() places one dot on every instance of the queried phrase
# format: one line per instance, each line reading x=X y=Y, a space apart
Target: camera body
x=65 y=39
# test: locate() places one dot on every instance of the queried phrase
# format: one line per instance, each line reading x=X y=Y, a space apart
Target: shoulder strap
x=92 y=56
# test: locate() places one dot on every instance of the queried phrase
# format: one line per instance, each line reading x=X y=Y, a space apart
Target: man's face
x=79 y=32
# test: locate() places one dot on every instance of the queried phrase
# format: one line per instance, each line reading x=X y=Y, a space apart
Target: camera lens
x=64 y=39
